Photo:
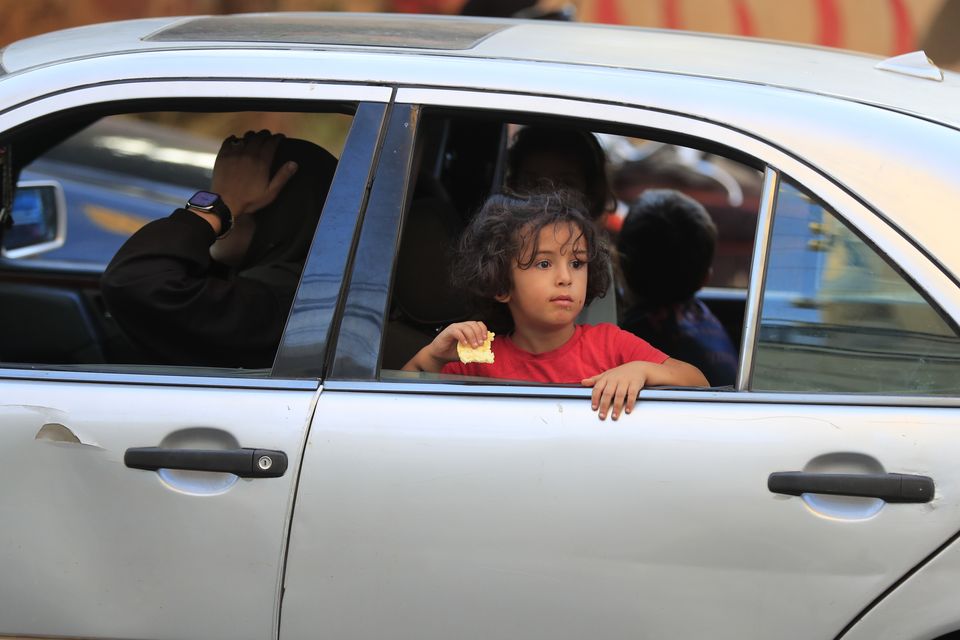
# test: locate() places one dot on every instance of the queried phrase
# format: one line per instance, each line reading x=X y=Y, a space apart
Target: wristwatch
x=210 y=202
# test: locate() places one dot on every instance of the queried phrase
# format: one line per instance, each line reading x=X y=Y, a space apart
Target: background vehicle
x=429 y=506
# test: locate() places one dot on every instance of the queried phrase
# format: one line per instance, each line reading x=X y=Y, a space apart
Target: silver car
x=332 y=495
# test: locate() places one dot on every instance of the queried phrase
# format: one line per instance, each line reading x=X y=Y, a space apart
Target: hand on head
x=241 y=173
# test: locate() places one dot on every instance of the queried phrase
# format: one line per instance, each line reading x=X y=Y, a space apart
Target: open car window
x=463 y=157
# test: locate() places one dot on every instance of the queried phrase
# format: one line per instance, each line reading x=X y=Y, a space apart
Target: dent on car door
x=514 y=512
x=116 y=521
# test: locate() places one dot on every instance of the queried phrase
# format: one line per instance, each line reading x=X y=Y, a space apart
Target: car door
x=146 y=501
x=432 y=508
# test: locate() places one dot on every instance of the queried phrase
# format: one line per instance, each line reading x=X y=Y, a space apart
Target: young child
x=540 y=258
x=666 y=248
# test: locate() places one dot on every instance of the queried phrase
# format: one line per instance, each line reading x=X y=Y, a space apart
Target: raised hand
x=241 y=173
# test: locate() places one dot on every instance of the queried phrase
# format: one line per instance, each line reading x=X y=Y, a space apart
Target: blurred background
x=881 y=27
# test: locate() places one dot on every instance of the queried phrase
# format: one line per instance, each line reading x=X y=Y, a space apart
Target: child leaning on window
x=539 y=259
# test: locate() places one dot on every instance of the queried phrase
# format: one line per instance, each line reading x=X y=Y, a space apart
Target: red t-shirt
x=593 y=349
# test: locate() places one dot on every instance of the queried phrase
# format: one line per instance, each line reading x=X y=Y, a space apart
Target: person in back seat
x=545 y=157
x=666 y=248
x=190 y=291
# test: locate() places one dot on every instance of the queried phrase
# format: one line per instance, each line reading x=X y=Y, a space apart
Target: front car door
x=434 y=508
x=92 y=547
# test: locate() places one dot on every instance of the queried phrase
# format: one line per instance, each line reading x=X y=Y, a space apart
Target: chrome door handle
x=890 y=487
x=246 y=463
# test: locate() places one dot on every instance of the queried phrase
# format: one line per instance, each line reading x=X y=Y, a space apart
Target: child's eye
x=542 y=264
x=577 y=264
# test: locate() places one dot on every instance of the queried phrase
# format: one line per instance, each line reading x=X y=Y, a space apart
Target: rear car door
x=114 y=524
x=431 y=507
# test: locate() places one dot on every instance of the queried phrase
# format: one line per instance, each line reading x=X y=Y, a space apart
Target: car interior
x=119 y=170
x=461 y=159
x=52 y=312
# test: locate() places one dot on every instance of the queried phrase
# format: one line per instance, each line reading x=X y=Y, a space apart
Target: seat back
x=424 y=299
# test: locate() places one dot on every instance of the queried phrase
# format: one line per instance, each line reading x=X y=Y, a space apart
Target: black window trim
x=313 y=318
x=358 y=348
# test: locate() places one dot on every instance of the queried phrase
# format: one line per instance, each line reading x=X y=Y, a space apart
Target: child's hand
x=444 y=346
x=443 y=349
x=618 y=388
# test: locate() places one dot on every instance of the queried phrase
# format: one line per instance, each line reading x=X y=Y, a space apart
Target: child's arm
x=443 y=349
x=620 y=385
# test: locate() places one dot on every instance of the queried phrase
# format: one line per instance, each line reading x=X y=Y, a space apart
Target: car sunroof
x=344 y=29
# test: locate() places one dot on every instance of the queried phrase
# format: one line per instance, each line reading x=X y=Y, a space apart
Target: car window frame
x=361 y=326
x=778 y=182
x=307 y=337
x=937 y=285
x=133 y=96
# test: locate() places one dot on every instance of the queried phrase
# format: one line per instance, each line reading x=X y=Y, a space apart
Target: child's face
x=550 y=293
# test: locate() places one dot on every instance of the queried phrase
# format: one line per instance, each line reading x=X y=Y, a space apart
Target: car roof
x=817 y=70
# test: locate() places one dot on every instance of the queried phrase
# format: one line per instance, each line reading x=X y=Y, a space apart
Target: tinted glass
x=118 y=175
x=837 y=317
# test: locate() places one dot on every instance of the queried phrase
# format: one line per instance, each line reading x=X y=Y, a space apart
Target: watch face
x=203 y=199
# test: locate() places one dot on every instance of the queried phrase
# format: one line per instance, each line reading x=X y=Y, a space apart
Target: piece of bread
x=481 y=354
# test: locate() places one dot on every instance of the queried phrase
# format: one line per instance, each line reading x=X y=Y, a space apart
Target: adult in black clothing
x=188 y=295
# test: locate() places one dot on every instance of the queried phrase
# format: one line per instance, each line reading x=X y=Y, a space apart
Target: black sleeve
x=181 y=307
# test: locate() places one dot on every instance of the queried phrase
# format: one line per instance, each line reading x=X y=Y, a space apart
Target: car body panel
x=527 y=517
x=910 y=611
x=118 y=552
x=516 y=519
x=804 y=68
x=101 y=550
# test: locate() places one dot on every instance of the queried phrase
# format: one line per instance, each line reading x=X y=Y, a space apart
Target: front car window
x=117 y=175
x=837 y=317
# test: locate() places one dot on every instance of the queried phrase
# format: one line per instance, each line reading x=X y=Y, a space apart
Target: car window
x=115 y=174
x=125 y=170
x=838 y=317
x=463 y=158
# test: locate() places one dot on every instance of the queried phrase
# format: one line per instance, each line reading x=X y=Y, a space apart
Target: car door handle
x=246 y=463
x=890 y=487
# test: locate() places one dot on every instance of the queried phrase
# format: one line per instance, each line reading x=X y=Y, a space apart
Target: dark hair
x=666 y=246
x=285 y=226
x=582 y=146
x=504 y=227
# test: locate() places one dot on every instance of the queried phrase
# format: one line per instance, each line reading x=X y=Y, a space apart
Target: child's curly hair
x=499 y=235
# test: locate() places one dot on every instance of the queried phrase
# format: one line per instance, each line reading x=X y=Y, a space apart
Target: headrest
x=422 y=289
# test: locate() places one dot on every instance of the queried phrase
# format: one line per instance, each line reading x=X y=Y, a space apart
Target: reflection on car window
x=836 y=317
x=125 y=170
x=120 y=175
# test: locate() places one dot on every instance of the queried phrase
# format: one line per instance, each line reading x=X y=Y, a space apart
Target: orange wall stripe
x=904 y=39
x=608 y=12
x=671 y=14
x=744 y=17
x=830 y=28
